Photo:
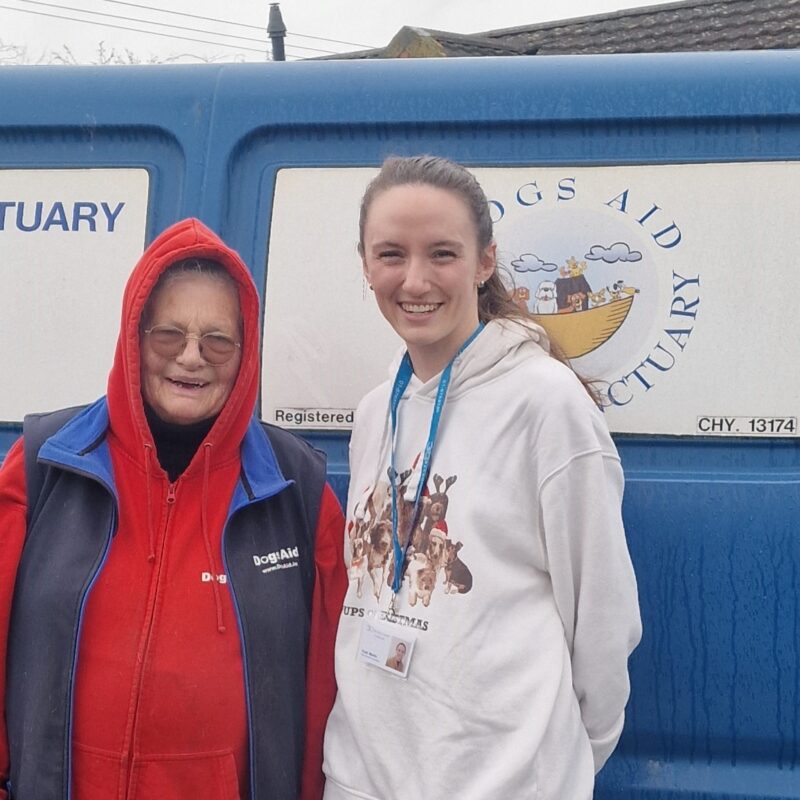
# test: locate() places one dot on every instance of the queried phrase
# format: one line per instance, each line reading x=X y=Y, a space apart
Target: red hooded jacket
x=159 y=699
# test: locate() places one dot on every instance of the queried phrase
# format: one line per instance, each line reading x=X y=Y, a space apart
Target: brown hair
x=495 y=301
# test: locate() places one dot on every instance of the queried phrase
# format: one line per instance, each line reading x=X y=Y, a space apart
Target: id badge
x=384 y=646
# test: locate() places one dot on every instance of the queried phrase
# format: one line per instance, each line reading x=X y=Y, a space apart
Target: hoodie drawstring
x=151 y=534
x=206 y=539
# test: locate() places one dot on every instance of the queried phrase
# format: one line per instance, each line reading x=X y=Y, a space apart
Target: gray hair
x=192 y=267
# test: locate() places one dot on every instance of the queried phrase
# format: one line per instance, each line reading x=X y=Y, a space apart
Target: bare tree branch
x=11 y=54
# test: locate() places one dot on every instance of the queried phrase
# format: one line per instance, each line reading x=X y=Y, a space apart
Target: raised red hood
x=185 y=239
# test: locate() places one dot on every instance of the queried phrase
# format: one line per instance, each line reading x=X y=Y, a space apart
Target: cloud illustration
x=528 y=262
x=619 y=251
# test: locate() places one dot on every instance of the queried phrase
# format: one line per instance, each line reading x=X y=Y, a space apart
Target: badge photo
x=380 y=646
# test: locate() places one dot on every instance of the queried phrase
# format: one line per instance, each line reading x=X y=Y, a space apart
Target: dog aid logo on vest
x=285 y=558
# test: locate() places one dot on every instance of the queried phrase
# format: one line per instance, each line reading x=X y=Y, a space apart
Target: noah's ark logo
x=603 y=273
x=571 y=293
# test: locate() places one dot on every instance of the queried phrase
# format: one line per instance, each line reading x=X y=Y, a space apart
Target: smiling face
x=186 y=388
x=421 y=257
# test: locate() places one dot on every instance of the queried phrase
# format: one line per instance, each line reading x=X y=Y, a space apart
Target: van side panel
x=712 y=522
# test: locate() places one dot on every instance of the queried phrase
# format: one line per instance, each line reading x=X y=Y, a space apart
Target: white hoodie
x=517 y=682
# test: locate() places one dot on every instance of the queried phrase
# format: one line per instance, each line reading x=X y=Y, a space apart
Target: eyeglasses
x=170 y=342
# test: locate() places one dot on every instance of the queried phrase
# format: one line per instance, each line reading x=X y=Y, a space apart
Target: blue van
x=666 y=188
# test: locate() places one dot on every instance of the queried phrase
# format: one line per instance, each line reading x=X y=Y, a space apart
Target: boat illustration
x=581 y=332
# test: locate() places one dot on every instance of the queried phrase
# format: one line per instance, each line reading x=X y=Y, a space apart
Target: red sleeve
x=329 y=591
x=13 y=523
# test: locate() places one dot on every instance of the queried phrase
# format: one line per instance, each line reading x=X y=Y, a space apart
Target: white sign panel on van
x=68 y=241
x=672 y=286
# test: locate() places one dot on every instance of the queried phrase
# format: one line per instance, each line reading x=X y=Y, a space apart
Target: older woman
x=174 y=563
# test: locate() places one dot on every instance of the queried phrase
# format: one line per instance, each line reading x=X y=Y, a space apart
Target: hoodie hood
x=186 y=239
x=497 y=349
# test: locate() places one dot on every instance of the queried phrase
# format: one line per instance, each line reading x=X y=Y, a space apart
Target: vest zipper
x=81 y=608
x=245 y=665
x=76 y=642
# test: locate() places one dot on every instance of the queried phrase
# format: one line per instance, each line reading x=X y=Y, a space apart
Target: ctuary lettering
x=70 y=217
x=662 y=358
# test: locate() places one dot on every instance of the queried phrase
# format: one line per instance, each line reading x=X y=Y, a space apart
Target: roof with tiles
x=689 y=25
x=672 y=27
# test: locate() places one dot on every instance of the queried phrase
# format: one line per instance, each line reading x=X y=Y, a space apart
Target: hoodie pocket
x=206 y=775
x=337 y=791
x=95 y=772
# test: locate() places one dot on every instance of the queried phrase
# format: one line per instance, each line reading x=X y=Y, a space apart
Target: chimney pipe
x=277 y=32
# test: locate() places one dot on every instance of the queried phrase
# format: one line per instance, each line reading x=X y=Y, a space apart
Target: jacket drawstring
x=151 y=534
x=206 y=539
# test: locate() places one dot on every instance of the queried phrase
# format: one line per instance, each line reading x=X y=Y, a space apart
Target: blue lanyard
x=401 y=381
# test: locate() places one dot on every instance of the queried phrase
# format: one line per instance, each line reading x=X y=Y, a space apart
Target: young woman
x=483 y=528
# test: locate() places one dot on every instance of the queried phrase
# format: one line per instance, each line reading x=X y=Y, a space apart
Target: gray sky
x=25 y=23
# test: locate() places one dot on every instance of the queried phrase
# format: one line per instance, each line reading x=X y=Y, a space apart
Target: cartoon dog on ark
x=545 y=298
x=597 y=298
x=618 y=289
